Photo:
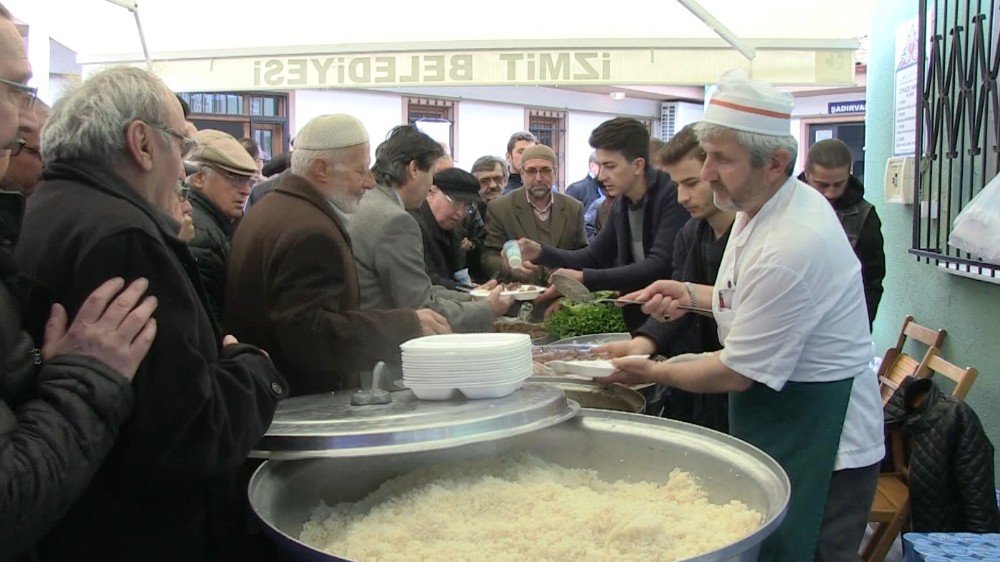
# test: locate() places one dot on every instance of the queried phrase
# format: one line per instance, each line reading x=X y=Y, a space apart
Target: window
x=434 y=116
x=262 y=117
x=958 y=125
x=549 y=127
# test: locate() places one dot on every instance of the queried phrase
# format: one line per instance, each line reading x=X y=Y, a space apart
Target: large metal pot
x=618 y=445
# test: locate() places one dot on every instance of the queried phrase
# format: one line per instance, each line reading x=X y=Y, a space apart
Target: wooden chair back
x=963 y=378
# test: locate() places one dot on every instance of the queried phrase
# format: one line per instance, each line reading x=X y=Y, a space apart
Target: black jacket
x=607 y=262
x=864 y=231
x=697 y=258
x=474 y=228
x=585 y=191
x=169 y=488
x=514 y=181
x=443 y=253
x=951 y=461
x=57 y=420
x=210 y=248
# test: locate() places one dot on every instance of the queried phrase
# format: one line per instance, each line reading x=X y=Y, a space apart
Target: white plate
x=523 y=293
x=466 y=342
x=470 y=392
x=589 y=368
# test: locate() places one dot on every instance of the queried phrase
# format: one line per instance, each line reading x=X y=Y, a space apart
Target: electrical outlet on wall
x=900 y=179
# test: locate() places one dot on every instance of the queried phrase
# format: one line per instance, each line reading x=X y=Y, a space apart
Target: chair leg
x=881 y=541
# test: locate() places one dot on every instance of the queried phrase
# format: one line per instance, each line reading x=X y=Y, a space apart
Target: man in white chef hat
x=790 y=307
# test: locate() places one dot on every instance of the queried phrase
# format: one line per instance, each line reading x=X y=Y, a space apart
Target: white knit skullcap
x=331 y=131
x=748 y=105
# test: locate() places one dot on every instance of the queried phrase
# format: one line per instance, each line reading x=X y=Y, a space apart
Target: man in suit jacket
x=388 y=248
x=292 y=283
x=533 y=211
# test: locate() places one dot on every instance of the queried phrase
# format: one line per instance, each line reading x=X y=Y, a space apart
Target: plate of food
x=520 y=291
x=584 y=368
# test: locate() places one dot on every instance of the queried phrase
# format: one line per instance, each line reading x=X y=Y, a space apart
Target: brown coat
x=293 y=291
x=511 y=217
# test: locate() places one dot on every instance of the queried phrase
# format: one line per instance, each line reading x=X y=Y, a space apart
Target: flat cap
x=222 y=150
x=458 y=184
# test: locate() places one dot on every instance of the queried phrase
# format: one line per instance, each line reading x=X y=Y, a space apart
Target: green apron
x=800 y=427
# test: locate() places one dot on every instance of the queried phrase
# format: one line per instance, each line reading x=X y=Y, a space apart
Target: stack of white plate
x=477 y=365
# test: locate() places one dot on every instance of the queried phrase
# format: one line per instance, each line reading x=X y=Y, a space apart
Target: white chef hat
x=331 y=131
x=749 y=105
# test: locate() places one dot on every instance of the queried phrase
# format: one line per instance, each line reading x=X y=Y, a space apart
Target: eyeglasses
x=462 y=207
x=530 y=172
x=27 y=93
x=183 y=191
x=231 y=177
x=187 y=143
x=17 y=145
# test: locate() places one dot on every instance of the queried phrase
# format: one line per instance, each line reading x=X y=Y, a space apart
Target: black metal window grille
x=958 y=123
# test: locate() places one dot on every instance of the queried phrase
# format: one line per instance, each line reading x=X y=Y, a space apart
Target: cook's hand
x=639 y=345
x=432 y=323
x=110 y=329
x=633 y=370
x=499 y=304
x=662 y=299
x=466 y=244
x=530 y=249
x=574 y=274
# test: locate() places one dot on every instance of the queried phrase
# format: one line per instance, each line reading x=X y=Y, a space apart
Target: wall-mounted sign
x=904 y=129
x=838 y=107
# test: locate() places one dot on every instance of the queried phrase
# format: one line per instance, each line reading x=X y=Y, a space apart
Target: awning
x=299 y=44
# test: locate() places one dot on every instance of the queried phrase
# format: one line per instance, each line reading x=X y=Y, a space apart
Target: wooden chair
x=891 y=506
x=897 y=365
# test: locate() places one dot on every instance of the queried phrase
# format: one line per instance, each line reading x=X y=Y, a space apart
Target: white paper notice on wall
x=824 y=134
x=904 y=123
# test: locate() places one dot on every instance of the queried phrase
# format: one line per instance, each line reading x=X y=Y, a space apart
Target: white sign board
x=904 y=123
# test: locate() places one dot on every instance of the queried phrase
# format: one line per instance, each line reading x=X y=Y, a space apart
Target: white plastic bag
x=977 y=228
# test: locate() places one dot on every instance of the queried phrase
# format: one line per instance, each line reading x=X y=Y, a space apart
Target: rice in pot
x=521 y=507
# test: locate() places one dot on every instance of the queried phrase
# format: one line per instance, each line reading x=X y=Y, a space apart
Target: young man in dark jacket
x=635 y=248
x=828 y=169
x=168 y=489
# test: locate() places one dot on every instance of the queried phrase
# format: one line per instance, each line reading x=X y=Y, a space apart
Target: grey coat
x=388 y=250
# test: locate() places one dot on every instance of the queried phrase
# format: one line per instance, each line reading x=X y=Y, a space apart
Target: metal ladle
x=574 y=290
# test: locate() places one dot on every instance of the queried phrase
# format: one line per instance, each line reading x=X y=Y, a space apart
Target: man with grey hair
x=62 y=398
x=169 y=488
x=293 y=284
x=387 y=243
x=790 y=308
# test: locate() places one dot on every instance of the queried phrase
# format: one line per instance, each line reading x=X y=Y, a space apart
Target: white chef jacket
x=790 y=306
